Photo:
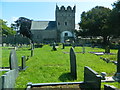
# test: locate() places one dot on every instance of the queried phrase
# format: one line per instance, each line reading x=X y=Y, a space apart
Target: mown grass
x=54 y=66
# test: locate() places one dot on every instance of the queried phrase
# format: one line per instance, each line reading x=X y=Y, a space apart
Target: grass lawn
x=54 y=66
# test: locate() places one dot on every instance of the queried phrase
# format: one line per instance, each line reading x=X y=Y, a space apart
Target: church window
x=58 y=23
x=66 y=23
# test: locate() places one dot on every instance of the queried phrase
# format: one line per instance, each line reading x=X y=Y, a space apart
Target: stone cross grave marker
x=13 y=60
x=73 y=63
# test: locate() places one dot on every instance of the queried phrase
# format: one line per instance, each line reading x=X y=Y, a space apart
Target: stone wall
x=15 y=39
x=40 y=36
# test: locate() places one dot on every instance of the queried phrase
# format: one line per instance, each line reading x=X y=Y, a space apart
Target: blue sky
x=45 y=10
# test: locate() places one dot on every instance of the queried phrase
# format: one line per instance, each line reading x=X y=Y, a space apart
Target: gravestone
x=32 y=52
x=9 y=79
x=73 y=63
x=32 y=49
x=83 y=49
x=117 y=75
x=92 y=79
x=13 y=60
x=63 y=46
x=23 y=63
x=107 y=49
x=54 y=48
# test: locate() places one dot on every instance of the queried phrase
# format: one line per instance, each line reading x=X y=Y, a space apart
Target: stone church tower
x=65 y=20
x=60 y=30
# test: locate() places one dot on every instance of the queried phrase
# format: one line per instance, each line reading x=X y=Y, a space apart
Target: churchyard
x=49 y=66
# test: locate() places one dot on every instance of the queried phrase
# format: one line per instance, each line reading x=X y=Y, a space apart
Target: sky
x=44 y=10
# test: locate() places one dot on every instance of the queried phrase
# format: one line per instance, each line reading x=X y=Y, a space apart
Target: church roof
x=43 y=25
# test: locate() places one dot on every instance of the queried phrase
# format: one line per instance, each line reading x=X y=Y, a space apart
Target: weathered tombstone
x=117 y=75
x=73 y=63
x=92 y=79
x=13 y=60
x=23 y=67
x=8 y=79
x=107 y=49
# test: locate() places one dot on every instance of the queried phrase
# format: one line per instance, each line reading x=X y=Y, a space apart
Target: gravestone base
x=117 y=77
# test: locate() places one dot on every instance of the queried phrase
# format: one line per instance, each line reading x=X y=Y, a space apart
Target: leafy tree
x=96 y=23
x=23 y=24
x=4 y=29
x=115 y=19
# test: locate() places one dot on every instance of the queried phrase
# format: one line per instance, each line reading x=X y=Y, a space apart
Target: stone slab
x=92 y=79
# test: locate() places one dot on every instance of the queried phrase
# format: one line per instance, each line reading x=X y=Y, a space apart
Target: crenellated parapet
x=63 y=8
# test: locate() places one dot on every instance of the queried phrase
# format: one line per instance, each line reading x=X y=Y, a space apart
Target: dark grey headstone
x=23 y=62
x=54 y=48
x=73 y=63
x=63 y=46
x=108 y=87
x=92 y=79
x=13 y=60
x=107 y=49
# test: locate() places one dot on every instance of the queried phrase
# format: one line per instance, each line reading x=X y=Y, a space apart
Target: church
x=60 y=30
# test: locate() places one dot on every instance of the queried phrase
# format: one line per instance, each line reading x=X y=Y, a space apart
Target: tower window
x=66 y=23
x=58 y=23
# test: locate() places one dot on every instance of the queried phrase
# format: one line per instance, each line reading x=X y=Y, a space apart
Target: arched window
x=58 y=23
x=66 y=23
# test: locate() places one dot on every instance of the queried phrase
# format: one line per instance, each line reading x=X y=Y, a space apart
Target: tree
x=115 y=18
x=5 y=30
x=24 y=25
x=96 y=23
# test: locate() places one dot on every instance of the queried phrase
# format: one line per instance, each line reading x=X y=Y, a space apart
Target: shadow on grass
x=66 y=77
